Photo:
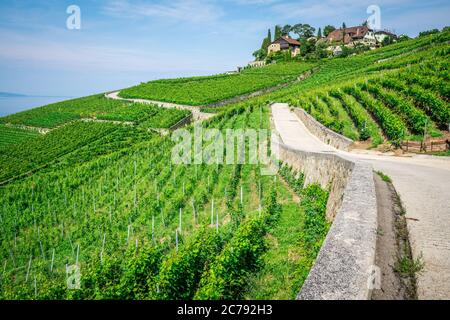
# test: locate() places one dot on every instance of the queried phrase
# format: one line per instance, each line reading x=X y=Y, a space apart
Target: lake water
x=10 y=105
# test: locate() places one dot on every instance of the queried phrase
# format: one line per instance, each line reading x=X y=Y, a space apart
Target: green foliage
x=131 y=113
x=208 y=90
x=227 y=276
x=366 y=126
x=180 y=273
x=127 y=277
x=328 y=29
x=295 y=180
x=415 y=118
x=278 y=32
x=56 y=114
x=11 y=135
x=437 y=109
x=303 y=30
x=165 y=118
x=315 y=226
x=108 y=179
x=41 y=150
x=384 y=177
x=428 y=32
x=392 y=125
x=99 y=107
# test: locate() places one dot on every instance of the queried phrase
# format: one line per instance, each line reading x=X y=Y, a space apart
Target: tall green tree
x=277 y=32
x=319 y=33
x=343 y=32
x=286 y=29
x=265 y=44
x=303 y=30
x=260 y=54
x=328 y=29
x=269 y=35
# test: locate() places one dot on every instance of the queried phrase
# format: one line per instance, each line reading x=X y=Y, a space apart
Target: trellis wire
x=53 y=260
x=28 y=269
x=212 y=212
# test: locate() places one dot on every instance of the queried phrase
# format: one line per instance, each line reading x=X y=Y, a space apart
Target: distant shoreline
x=19 y=95
x=13 y=104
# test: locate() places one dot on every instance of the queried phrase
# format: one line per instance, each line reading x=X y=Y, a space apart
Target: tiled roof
x=350 y=33
x=291 y=41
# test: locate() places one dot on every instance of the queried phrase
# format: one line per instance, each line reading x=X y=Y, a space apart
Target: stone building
x=285 y=43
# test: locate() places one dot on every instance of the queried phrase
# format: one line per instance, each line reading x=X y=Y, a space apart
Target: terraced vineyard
x=399 y=92
x=11 y=135
x=135 y=204
x=206 y=90
x=106 y=197
x=95 y=107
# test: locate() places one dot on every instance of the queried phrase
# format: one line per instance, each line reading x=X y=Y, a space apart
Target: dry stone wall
x=344 y=268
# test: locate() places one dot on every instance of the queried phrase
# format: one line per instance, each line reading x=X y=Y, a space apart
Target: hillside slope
x=105 y=196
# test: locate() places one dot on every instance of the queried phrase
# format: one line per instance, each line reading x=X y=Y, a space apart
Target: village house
x=383 y=34
x=353 y=36
x=285 y=43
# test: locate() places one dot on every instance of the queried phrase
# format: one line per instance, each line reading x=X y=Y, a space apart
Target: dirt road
x=423 y=183
x=196 y=111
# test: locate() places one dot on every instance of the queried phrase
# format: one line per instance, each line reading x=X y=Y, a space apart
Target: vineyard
x=96 y=107
x=399 y=92
x=406 y=98
x=99 y=190
x=11 y=135
x=136 y=204
x=206 y=90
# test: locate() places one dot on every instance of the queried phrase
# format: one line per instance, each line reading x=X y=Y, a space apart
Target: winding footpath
x=197 y=114
x=423 y=183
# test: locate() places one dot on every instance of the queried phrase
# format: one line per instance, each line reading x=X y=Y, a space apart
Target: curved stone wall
x=344 y=265
x=323 y=133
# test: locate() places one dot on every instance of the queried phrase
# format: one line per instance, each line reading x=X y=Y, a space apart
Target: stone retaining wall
x=183 y=122
x=323 y=133
x=345 y=263
x=328 y=170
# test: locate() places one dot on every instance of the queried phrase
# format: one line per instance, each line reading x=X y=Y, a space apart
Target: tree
x=319 y=33
x=303 y=30
x=277 y=32
x=286 y=29
x=387 y=41
x=260 y=54
x=321 y=51
x=328 y=29
x=403 y=37
x=265 y=44
x=306 y=47
x=269 y=35
x=428 y=32
x=343 y=32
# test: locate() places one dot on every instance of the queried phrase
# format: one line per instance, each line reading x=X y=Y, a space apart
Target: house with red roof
x=352 y=36
x=284 y=43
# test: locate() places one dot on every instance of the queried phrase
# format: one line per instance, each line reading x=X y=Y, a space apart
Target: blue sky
x=124 y=42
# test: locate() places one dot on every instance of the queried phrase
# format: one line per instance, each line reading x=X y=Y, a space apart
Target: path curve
x=423 y=183
x=196 y=111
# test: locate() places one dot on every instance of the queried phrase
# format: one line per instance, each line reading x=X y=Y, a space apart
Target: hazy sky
x=124 y=42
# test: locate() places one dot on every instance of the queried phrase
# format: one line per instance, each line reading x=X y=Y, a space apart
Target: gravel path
x=196 y=113
x=423 y=183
